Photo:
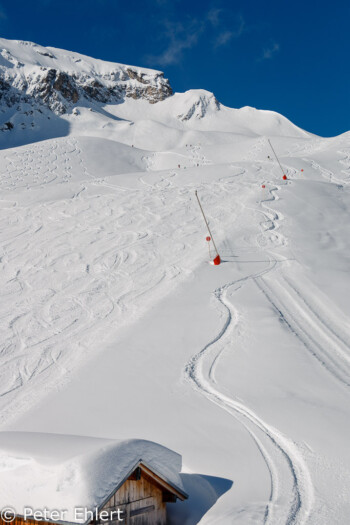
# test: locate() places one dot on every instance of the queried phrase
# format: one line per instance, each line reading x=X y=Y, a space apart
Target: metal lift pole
x=206 y=222
x=276 y=156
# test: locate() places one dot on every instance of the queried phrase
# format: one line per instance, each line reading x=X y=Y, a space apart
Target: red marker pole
x=217 y=259
x=284 y=176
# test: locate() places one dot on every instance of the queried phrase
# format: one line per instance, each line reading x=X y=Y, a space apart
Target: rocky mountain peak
x=58 y=79
x=197 y=103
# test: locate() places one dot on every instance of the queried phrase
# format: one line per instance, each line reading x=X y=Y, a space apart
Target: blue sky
x=287 y=56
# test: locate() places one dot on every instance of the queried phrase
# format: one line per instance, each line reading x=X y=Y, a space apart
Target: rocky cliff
x=58 y=80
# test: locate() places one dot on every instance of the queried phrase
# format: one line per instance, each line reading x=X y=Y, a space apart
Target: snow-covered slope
x=111 y=314
x=47 y=92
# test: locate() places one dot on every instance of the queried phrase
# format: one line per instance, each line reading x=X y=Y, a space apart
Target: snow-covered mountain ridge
x=59 y=79
x=46 y=92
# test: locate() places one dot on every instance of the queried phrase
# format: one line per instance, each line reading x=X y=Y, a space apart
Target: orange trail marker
x=208 y=239
x=217 y=258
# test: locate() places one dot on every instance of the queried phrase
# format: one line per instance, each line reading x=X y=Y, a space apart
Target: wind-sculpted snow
x=78 y=267
x=105 y=296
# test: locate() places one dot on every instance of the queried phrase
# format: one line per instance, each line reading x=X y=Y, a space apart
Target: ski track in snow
x=75 y=267
x=291 y=495
x=316 y=326
x=330 y=176
x=38 y=165
x=292 y=492
x=345 y=162
x=198 y=157
x=319 y=330
x=316 y=333
x=43 y=319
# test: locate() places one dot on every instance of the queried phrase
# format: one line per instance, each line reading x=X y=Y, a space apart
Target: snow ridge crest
x=58 y=79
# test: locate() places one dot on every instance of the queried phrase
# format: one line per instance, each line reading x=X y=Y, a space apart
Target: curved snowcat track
x=291 y=494
x=316 y=327
x=316 y=334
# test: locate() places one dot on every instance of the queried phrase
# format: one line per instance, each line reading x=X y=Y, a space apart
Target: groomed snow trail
x=320 y=327
x=291 y=495
x=320 y=333
x=292 y=492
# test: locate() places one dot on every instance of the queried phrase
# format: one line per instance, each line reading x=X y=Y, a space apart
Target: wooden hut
x=141 y=499
x=87 y=481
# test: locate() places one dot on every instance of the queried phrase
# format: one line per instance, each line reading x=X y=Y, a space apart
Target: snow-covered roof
x=62 y=472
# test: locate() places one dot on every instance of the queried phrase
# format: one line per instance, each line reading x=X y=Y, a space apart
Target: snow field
x=105 y=285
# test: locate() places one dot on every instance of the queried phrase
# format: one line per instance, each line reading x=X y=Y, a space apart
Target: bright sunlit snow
x=114 y=324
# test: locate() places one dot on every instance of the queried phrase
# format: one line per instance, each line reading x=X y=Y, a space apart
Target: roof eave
x=172 y=487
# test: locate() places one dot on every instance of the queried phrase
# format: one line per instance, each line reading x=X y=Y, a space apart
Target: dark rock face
x=63 y=84
x=199 y=107
x=133 y=74
x=52 y=88
x=60 y=91
x=4 y=87
x=153 y=93
x=94 y=90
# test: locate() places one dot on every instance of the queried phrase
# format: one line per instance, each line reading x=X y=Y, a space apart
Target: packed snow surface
x=73 y=472
x=114 y=324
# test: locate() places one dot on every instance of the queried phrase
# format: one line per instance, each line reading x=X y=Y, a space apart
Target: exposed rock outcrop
x=58 y=80
x=197 y=103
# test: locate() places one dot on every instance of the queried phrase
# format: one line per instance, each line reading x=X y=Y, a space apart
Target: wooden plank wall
x=21 y=521
x=142 y=503
x=140 y=500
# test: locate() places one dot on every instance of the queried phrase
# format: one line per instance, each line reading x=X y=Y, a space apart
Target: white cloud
x=3 y=15
x=225 y=36
x=241 y=27
x=213 y=16
x=269 y=52
x=184 y=35
x=180 y=36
